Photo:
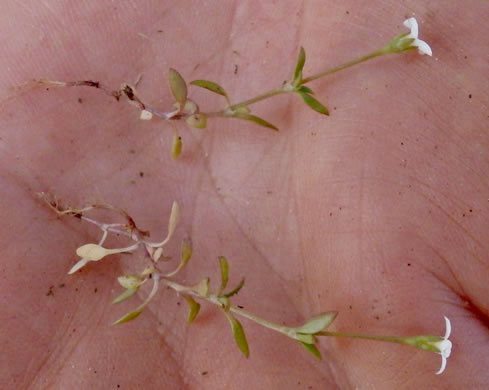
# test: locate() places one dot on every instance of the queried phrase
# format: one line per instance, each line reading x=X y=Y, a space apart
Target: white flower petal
x=412 y=24
x=423 y=48
x=443 y=365
x=448 y=329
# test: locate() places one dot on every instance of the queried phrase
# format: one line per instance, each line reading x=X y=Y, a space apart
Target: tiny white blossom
x=423 y=47
x=445 y=346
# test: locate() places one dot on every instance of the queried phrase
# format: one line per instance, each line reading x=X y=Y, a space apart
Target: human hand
x=378 y=211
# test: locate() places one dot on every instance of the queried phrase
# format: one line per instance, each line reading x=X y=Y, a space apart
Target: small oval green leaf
x=314 y=103
x=130 y=281
x=255 y=119
x=312 y=349
x=317 y=323
x=224 y=267
x=211 y=86
x=125 y=295
x=194 y=308
x=128 y=317
x=178 y=86
x=301 y=60
x=239 y=335
x=198 y=121
x=235 y=290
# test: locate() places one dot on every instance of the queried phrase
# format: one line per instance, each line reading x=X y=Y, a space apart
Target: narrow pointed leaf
x=186 y=251
x=255 y=119
x=312 y=349
x=177 y=86
x=174 y=218
x=300 y=65
x=224 y=267
x=317 y=323
x=128 y=317
x=305 y=89
x=235 y=290
x=239 y=335
x=125 y=295
x=211 y=86
x=79 y=265
x=194 y=308
x=176 y=148
x=314 y=103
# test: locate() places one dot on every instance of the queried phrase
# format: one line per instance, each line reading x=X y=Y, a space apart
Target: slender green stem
x=267 y=324
x=259 y=98
x=348 y=64
x=390 y=339
x=241 y=312
x=278 y=91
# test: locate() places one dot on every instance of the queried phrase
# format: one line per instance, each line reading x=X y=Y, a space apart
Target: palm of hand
x=375 y=212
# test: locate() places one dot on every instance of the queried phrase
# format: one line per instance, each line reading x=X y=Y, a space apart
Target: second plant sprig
x=306 y=334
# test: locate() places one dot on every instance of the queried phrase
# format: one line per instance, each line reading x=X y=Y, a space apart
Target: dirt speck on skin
x=50 y=292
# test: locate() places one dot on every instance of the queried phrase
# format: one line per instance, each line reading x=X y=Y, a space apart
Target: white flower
x=423 y=47
x=444 y=346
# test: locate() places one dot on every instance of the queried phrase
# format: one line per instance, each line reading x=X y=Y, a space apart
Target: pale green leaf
x=235 y=290
x=305 y=338
x=176 y=147
x=239 y=335
x=198 y=121
x=255 y=119
x=224 y=267
x=312 y=349
x=125 y=295
x=317 y=323
x=92 y=252
x=178 y=86
x=186 y=251
x=202 y=288
x=130 y=281
x=194 y=308
x=128 y=317
x=211 y=86
x=300 y=65
x=314 y=103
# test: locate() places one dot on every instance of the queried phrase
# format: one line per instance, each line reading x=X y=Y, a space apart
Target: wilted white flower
x=423 y=47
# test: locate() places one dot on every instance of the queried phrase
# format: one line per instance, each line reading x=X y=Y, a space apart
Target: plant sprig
x=187 y=110
x=306 y=334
